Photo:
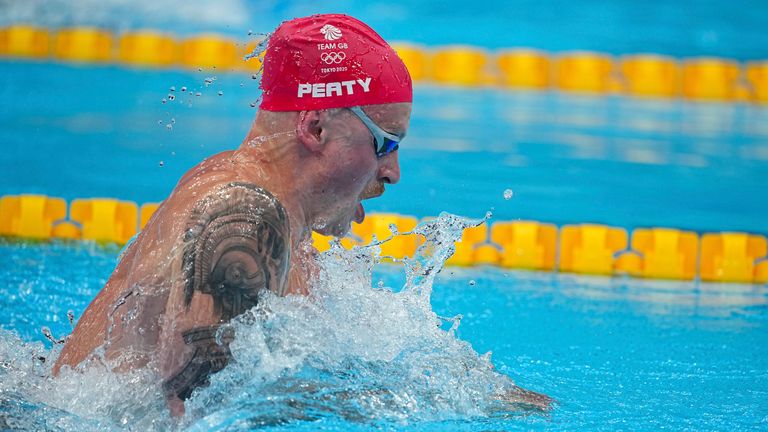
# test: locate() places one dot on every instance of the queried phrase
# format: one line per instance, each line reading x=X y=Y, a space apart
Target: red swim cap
x=330 y=61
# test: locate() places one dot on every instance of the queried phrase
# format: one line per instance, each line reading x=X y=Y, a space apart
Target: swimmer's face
x=358 y=173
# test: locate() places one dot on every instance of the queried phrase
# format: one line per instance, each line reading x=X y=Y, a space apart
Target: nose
x=389 y=168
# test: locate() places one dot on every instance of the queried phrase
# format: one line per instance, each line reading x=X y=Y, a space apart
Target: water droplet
x=164 y=100
x=508 y=194
x=171 y=97
x=255 y=76
x=220 y=93
x=183 y=89
x=173 y=153
x=250 y=32
x=488 y=214
x=161 y=164
x=173 y=88
x=198 y=94
x=169 y=126
x=472 y=282
x=381 y=283
x=253 y=104
x=199 y=69
x=159 y=122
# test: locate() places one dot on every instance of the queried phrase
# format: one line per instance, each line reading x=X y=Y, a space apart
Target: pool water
x=103 y=132
x=733 y=29
x=614 y=353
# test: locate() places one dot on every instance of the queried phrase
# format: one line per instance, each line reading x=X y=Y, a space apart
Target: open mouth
x=371 y=192
x=359 y=213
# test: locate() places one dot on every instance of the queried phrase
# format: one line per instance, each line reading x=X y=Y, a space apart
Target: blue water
x=684 y=28
x=616 y=354
x=85 y=132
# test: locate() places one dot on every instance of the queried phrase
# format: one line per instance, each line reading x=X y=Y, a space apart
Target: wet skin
x=235 y=225
x=200 y=262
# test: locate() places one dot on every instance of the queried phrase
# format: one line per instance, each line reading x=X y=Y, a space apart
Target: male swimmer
x=336 y=102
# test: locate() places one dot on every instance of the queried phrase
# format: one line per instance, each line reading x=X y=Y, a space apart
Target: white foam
x=348 y=350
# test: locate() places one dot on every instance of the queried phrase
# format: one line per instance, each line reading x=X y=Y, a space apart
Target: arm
x=526 y=400
x=236 y=244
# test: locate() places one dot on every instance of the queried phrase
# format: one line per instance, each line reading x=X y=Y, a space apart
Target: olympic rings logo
x=333 y=57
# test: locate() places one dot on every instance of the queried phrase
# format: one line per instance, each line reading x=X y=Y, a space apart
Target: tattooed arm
x=236 y=244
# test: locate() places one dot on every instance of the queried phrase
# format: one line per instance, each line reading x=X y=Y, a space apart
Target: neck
x=272 y=162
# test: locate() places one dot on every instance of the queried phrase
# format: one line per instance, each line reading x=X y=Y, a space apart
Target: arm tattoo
x=210 y=356
x=235 y=245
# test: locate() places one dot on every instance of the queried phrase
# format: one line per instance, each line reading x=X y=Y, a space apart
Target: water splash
x=357 y=352
x=351 y=350
x=259 y=49
x=440 y=236
x=257 y=141
x=258 y=54
x=94 y=399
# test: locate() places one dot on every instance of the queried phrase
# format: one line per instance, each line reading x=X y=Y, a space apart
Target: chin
x=335 y=229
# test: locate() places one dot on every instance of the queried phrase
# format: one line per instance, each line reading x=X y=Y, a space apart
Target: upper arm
x=236 y=243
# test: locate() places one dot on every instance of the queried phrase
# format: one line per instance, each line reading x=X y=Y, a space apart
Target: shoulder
x=250 y=201
x=236 y=240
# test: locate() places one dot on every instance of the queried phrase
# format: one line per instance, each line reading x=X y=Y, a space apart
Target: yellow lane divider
x=30 y=216
x=712 y=79
x=653 y=253
x=83 y=44
x=524 y=69
x=585 y=72
x=591 y=248
x=461 y=65
x=209 y=50
x=640 y=75
x=147 y=49
x=651 y=75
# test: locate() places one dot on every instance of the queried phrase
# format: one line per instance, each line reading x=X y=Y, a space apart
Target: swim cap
x=330 y=61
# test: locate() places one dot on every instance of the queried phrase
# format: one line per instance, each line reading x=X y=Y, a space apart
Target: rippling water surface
x=379 y=346
x=363 y=352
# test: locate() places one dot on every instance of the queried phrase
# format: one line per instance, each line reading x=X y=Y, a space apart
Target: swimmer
x=241 y=221
x=336 y=103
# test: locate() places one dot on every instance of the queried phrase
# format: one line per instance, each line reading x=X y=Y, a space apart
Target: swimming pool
x=616 y=353
x=567 y=158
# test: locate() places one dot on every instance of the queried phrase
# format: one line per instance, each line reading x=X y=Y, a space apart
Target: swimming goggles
x=384 y=142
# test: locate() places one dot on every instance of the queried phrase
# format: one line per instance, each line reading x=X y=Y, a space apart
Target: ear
x=310 y=131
